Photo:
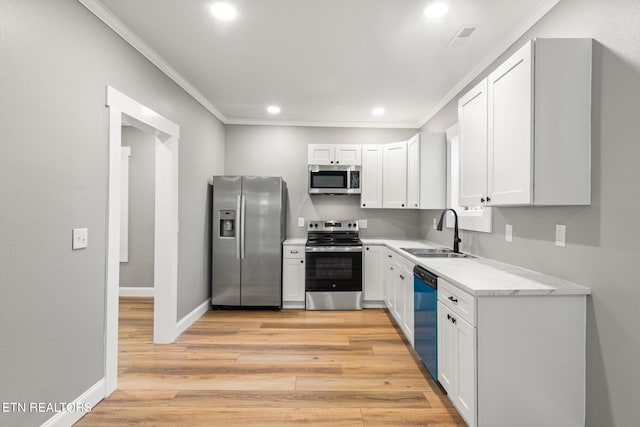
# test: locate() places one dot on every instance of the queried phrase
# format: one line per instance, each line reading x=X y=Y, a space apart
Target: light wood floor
x=257 y=368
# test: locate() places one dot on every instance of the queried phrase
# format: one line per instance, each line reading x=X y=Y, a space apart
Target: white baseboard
x=190 y=318
x=136 y=291
x=293 y=305
x=90 y=397
x=373 y=304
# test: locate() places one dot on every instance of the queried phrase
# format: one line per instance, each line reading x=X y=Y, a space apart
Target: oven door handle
x=333 y=249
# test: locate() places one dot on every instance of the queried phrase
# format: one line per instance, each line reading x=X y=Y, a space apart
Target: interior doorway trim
x=123 y=109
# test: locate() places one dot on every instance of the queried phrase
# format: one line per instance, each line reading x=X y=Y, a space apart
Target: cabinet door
x=394 y=187
x=413 y=172
x=293 y=275
x=374 y=273
x=446 y=349
x=408 y=305
x=350 y=154
x=371 y=184
x=472 y=118
x=511 y=130
x=465 y=375
x=321 y=154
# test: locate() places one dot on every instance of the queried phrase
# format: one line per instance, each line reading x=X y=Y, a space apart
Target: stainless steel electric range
x=334 y=266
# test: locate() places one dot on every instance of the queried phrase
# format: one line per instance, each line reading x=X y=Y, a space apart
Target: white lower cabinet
x=457 y=354
x=293 y=276
x=513 y=360
x=398 y=291
x=374 y=272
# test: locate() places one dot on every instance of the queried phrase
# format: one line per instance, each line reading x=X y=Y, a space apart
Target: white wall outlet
x=300 y=222
x=435 y=223
x=561 y=235
x=362 y=223
x=80 y=237
x=508 y=233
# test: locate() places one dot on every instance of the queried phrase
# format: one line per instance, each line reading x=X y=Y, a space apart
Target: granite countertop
x=482 y=276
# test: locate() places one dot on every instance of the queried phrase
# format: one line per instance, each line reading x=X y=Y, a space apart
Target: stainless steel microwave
x=334 y=179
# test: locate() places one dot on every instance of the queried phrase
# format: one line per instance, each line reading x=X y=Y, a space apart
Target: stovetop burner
x=333 y=233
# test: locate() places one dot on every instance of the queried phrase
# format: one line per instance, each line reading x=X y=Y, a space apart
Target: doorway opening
x=166 y=134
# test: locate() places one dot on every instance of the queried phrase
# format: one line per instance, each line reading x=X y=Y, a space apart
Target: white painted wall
x=603 y=240
x=56 y=59
x=282 y=151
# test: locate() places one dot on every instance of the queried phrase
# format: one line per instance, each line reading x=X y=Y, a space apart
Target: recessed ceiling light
x=223 y=11
x=273 y=109
x=436 y=10
x=378 y=111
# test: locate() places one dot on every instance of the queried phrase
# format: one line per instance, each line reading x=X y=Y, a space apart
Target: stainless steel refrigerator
x=248 y=229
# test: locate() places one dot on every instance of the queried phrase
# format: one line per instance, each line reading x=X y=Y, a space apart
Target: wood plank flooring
x=263 y=368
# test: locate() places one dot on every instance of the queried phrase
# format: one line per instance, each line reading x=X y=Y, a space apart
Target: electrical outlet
x=435 y=223
x=561 y=234
x=80 y=238
x=362 y=223
x=300 y=222
x=508 y=233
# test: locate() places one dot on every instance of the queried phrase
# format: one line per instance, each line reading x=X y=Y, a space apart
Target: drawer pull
x=453 y=300
x=402 y=277
x=294 y=252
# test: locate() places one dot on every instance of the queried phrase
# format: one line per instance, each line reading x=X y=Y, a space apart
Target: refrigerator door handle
x=243 y=217
x=237 y=235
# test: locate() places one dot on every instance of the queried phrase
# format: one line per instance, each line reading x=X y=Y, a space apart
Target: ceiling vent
x=461 y=37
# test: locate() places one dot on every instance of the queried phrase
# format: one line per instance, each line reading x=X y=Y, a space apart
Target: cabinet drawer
x=460 y=302
x=293 y=252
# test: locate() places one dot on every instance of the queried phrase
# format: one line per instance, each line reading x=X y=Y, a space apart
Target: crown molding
x=261 y=122
x=525 y=25
x=106 y=16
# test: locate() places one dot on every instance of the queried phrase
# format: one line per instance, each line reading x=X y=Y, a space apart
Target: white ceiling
x=325 y=62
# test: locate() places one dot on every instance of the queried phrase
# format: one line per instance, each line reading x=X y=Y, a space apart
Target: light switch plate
x=561 y=235
x=80 y=237
x=300 y=222
x=508 y=233
x=362 y=223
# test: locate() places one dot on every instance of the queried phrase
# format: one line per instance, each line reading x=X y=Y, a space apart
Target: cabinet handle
x=481 y=199
x=453 y=300
x=388 y=256
x=337 y=162
x=403 y=205
x=488 y=199
x=448 y=317
x=416 y=205
x=453 y=320
x=331 y=161
x=402 y=277
x=364 y=204
x=391 y=268
x=367 y=248
x=301 y=261
x=294 y=252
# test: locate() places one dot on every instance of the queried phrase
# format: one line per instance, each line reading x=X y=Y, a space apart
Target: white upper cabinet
x=394 y=187
x=538 y=132
x=371 y=184
x=330 y=154
x=510 y=149
x=472 y=117
x=427 y=171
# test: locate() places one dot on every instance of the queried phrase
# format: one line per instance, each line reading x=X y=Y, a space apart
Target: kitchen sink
x=427 y=251
x=435 y=253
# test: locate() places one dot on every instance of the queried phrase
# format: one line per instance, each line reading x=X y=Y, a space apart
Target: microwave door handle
x=243 y=219
x=237 y=234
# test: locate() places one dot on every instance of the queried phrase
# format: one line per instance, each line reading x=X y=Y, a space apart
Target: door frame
x=123 y=109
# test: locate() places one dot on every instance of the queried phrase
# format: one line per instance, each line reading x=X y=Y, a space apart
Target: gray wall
x=56 y=59
x=603 y=247
x=282 y=151
x=138 y=271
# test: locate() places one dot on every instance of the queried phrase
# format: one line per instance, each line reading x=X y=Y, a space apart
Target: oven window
x=334 y=268
x=329 y=179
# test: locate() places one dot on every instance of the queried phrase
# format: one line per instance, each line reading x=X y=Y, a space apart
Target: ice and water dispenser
x=227 y=220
